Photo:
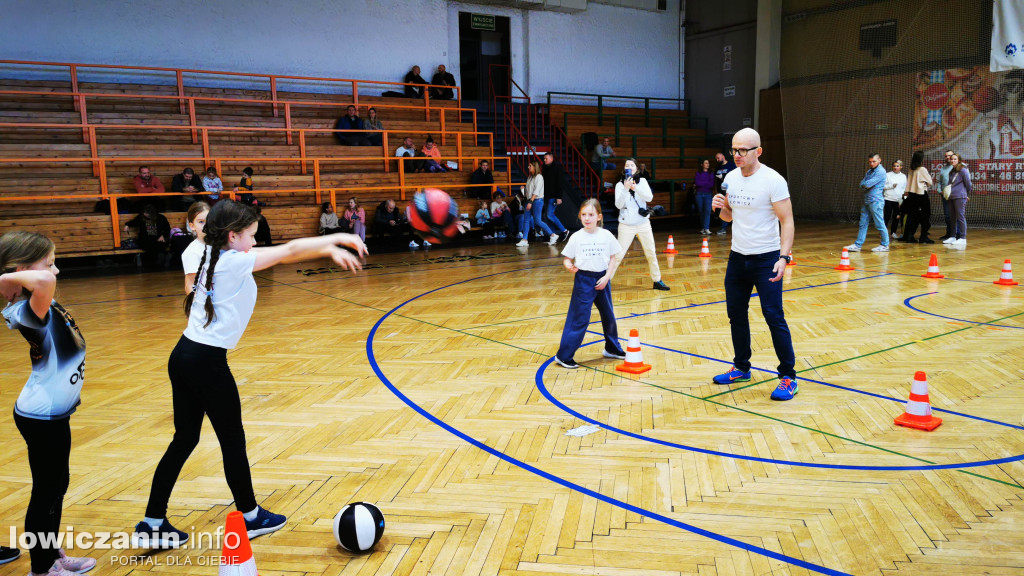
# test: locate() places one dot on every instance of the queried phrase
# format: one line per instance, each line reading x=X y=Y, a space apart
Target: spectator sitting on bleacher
x=408 y=150
x=431 y=151
x=413 y=77
x=442 y=78
x=502 y=214
x=213 y=185
x=355 y=216
x=153 y=233
x=187 y=182
x=262 y=235
x=351 y=121
x=483 y=217
x=602 y=153
x=373 y=122
x=147 y=183
x=246 y=184
x=329 y=223
x=482 y=179
x=390 y=221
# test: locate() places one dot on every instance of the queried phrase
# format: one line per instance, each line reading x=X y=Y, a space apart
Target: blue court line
x=562 y=406
x=561 y=481
x=909 y=305
x=905 y=273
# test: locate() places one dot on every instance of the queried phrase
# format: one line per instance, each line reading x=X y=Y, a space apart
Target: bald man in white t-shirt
x=755 y=199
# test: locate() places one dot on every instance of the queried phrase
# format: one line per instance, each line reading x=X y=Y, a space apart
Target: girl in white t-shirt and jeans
x=195 y=221
x=591 y=255
x=218 y=310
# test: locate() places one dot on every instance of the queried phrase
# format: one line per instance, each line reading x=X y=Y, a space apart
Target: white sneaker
x=488 y=237
x=852 y=248
x=413 y=244
x=523 y=243
x=949 y=240
x=880 y=248
x=961 y=243
x=720 y=232
x=426 y=244
x=553 y=239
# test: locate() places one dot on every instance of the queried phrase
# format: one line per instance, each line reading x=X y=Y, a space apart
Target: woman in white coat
x=631 y=198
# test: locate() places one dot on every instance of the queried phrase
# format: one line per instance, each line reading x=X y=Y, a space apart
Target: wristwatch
x=788 y=259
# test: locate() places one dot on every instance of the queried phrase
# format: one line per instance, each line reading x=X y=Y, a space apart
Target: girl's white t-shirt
x=591 y=251
x=234 y=298
x=755 y=227
x=192 y=255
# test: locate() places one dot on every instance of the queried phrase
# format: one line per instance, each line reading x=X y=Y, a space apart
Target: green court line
x=651 y=384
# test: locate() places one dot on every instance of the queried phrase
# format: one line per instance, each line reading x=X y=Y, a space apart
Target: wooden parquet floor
x=423 y=385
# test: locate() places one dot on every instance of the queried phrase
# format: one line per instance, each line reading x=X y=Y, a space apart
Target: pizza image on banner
x=975 y=112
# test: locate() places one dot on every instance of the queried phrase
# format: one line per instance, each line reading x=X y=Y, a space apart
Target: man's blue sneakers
x=786 y=390
x=733 y=375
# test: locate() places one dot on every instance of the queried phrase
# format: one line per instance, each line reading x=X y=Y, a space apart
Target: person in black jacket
x=442 y=78
x=153 y=235
x=480 y=178
x=413 y=77
x=556 y=184
x=187 y=182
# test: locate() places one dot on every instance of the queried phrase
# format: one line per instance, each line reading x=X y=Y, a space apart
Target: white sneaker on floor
x=949 y=240
x=961 y=243
x=426 y=244
x=880 y=248
x=413 y=244
x=852 y=248
x=553 y=239
x=523 y=243
x=488 y=237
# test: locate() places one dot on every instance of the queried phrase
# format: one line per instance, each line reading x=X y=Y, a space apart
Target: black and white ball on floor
x=358 y=526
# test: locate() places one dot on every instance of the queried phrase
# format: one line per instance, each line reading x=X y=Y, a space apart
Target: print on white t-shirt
x=755 y=227
x=591 y=251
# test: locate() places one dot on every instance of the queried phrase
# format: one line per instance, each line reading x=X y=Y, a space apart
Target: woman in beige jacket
x=915 y=200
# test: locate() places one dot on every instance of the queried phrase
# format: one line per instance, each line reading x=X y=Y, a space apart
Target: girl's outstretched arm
x=313 y=247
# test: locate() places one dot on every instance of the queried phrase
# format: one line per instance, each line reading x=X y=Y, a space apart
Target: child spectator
x=501 y=214
x=355 y=216
x=591 y=254
x=213 y=185
x=153 y=234
x=246 y=184
x=483 y=218
x=329 y=223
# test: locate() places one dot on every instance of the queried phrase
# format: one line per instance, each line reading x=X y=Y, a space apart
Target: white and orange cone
x=671 y=249
x=933 y=268
x=236 y=558
x=704 y=251
x=1006 y=278
x=918 y=413
x=844 y=262
x=634 y=363
x=792 y=262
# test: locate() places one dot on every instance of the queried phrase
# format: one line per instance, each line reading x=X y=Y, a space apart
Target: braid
x=192 y=295
x=214 y=256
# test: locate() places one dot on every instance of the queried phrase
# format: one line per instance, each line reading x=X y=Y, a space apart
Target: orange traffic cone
x=671 y=246
x=704 y=251
x=236 y=558
x=933 y=268
x=634 y=363
x=919 y=412
x=791 y=261
x=844 y=262
x=1006 y=278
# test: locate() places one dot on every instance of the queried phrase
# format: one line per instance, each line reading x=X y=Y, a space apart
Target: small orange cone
x=919 y=412
x=634 y=363
x=704 y=251
x=844 y=262
x=1006 y=278
x=933 y=268
x=236 y=558
x=671 y=246
x=791 y=261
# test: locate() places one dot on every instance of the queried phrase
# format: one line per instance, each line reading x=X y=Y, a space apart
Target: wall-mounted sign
x=482 y=22
x=727 y=57
x=747 y=121
x=729 y=91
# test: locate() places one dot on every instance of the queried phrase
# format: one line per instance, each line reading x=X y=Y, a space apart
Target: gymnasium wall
x=605 y=48
x=931 y=91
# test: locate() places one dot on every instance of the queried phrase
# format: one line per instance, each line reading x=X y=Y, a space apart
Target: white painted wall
x=605 y=49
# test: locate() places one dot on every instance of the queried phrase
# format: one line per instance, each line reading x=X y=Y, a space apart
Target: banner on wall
x=980 y=115
x=1007 y=35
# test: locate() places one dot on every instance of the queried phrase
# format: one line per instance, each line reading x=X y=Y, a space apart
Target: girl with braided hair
x=218 y=309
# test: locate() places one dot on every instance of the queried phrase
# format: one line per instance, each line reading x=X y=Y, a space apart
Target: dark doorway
x=479 y=47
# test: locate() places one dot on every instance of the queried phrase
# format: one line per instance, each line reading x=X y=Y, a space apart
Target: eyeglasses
x=742 y=151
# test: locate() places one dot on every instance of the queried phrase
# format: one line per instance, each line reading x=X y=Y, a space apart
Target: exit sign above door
x=482 y=22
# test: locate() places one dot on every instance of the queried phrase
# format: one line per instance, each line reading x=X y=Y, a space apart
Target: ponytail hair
x=225 y=216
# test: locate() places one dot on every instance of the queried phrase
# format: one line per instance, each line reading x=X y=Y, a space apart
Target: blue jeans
x=538 y=217
x=553 y=220
x=585 y=295
x=743 y=274
x=525 y=224
x=704 y=209
x=872 y=210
